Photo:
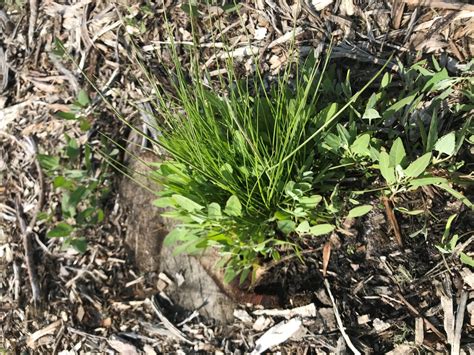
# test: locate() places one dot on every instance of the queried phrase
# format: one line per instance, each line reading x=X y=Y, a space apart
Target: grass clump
x=257 y=163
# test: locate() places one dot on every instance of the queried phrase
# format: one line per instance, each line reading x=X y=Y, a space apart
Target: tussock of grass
x=256 y=163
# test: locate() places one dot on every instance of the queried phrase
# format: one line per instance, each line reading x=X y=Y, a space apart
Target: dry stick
x=429 y=325
x=32 y=21
x=339 y=320
x=455 y=350
x=168 y=325
x=28 y=252
x=393 y=220
x=440 y=4
x=3 y=70
x=27 y=231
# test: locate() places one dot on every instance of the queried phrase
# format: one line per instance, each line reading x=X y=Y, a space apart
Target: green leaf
x=83 y=99
x=408 y=212
x=214 y=211
x=466 y=259
x=387 y=172
x=62 y=229
x=332 y=142
x=371 y=114
x=286 y=226
x=227 y=172
x=359 y=211
x=58 y=47
x=303 y=227
x=62 y=182
x=186 y=203
x=229 y=274
x=321 y=229
x=419 y=166
x=67 y=209
x=433 y=132
x=243 y=275
x=446 y=144
x=387 y=78
x=361 y=145
x=427 y=181
x=84 y=125
x=311 y=201
x=72 y=148
x=164 y=202
x=66 y=115
x=280 y=216
x=42 y=216
x=397 y=106
x=233 y=207
x=48 y=162
x=457 y=195
x=442 y=75
x=78 y=195
x=397 y=153
x=80 y=244
x=447 y=228
x=100 y=215
x=327 y=113
x=174 y=236
x=189 y=247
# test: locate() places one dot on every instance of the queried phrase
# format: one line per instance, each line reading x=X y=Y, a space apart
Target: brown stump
x=203 y=288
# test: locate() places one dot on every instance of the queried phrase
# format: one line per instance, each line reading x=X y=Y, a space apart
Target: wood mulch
x=58 y=301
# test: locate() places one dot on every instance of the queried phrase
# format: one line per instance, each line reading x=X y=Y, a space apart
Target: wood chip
x=49 y=329
x=319 y=5
x=122 y=347
x=276 y=335
x=303 y=311
x=419 y=331
x=437 y=4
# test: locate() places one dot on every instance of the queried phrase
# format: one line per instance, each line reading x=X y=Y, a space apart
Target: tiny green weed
x=82 y=185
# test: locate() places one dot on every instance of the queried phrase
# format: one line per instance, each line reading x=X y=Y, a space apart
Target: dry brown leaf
x=393 y=220
x=326 y=257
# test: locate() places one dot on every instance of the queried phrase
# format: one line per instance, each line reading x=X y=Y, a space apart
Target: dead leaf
x=326 y=257
x=393 y=220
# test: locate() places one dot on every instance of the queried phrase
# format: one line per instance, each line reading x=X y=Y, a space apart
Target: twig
x=168 y=325
x=440 y=4
x=35 y=290
x=189 y=318
x=69 y=75
x=339 y=320
x=3 y=70
x=455 y=350
x=16 y=273
x=27 y=231
x=39 y=204
x=84 y=334
x=429 y=325
x=32 y=21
